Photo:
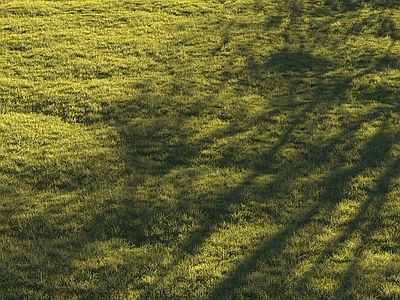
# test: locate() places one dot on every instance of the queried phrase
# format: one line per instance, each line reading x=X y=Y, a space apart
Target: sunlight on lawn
x=199 y=149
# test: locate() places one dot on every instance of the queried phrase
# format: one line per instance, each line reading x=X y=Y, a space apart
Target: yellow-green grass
x=199 y=149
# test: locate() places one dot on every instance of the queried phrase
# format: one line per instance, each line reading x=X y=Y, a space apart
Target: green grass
x=199 y=149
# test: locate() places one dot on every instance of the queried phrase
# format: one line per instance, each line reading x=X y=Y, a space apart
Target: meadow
x=190 y=149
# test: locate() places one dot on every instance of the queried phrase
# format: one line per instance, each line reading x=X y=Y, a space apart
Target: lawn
x=190 y=149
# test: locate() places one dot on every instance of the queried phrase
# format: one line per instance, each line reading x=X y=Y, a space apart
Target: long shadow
x=180 y=154
x=371 y=223
x=333 y=185
x=158 y=143
x=265 y=165
x=220 y=209
x=157 y=146
x=362 y=220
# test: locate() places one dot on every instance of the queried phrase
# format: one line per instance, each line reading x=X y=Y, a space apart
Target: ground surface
x=199 y=149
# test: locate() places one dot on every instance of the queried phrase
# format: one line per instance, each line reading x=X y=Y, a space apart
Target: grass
x=199 y=149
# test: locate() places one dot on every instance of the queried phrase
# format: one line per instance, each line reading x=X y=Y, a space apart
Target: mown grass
x=199 y=149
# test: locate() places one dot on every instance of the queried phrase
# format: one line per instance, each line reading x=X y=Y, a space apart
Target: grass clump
x=44 y=153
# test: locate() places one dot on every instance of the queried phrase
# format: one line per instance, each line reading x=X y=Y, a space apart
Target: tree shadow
x=270 y=255
x=250 y=276
x=172 y=147
x=321 y=97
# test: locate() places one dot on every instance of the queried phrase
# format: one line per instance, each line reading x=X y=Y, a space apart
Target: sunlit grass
x=199 y=149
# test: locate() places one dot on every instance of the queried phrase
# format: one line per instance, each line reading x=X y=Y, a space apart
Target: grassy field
x=194 y=149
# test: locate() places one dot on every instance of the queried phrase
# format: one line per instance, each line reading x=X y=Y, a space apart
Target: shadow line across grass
x=259 y=163
x=366 y=221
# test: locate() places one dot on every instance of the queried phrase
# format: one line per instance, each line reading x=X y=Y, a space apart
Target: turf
x=199 y=149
